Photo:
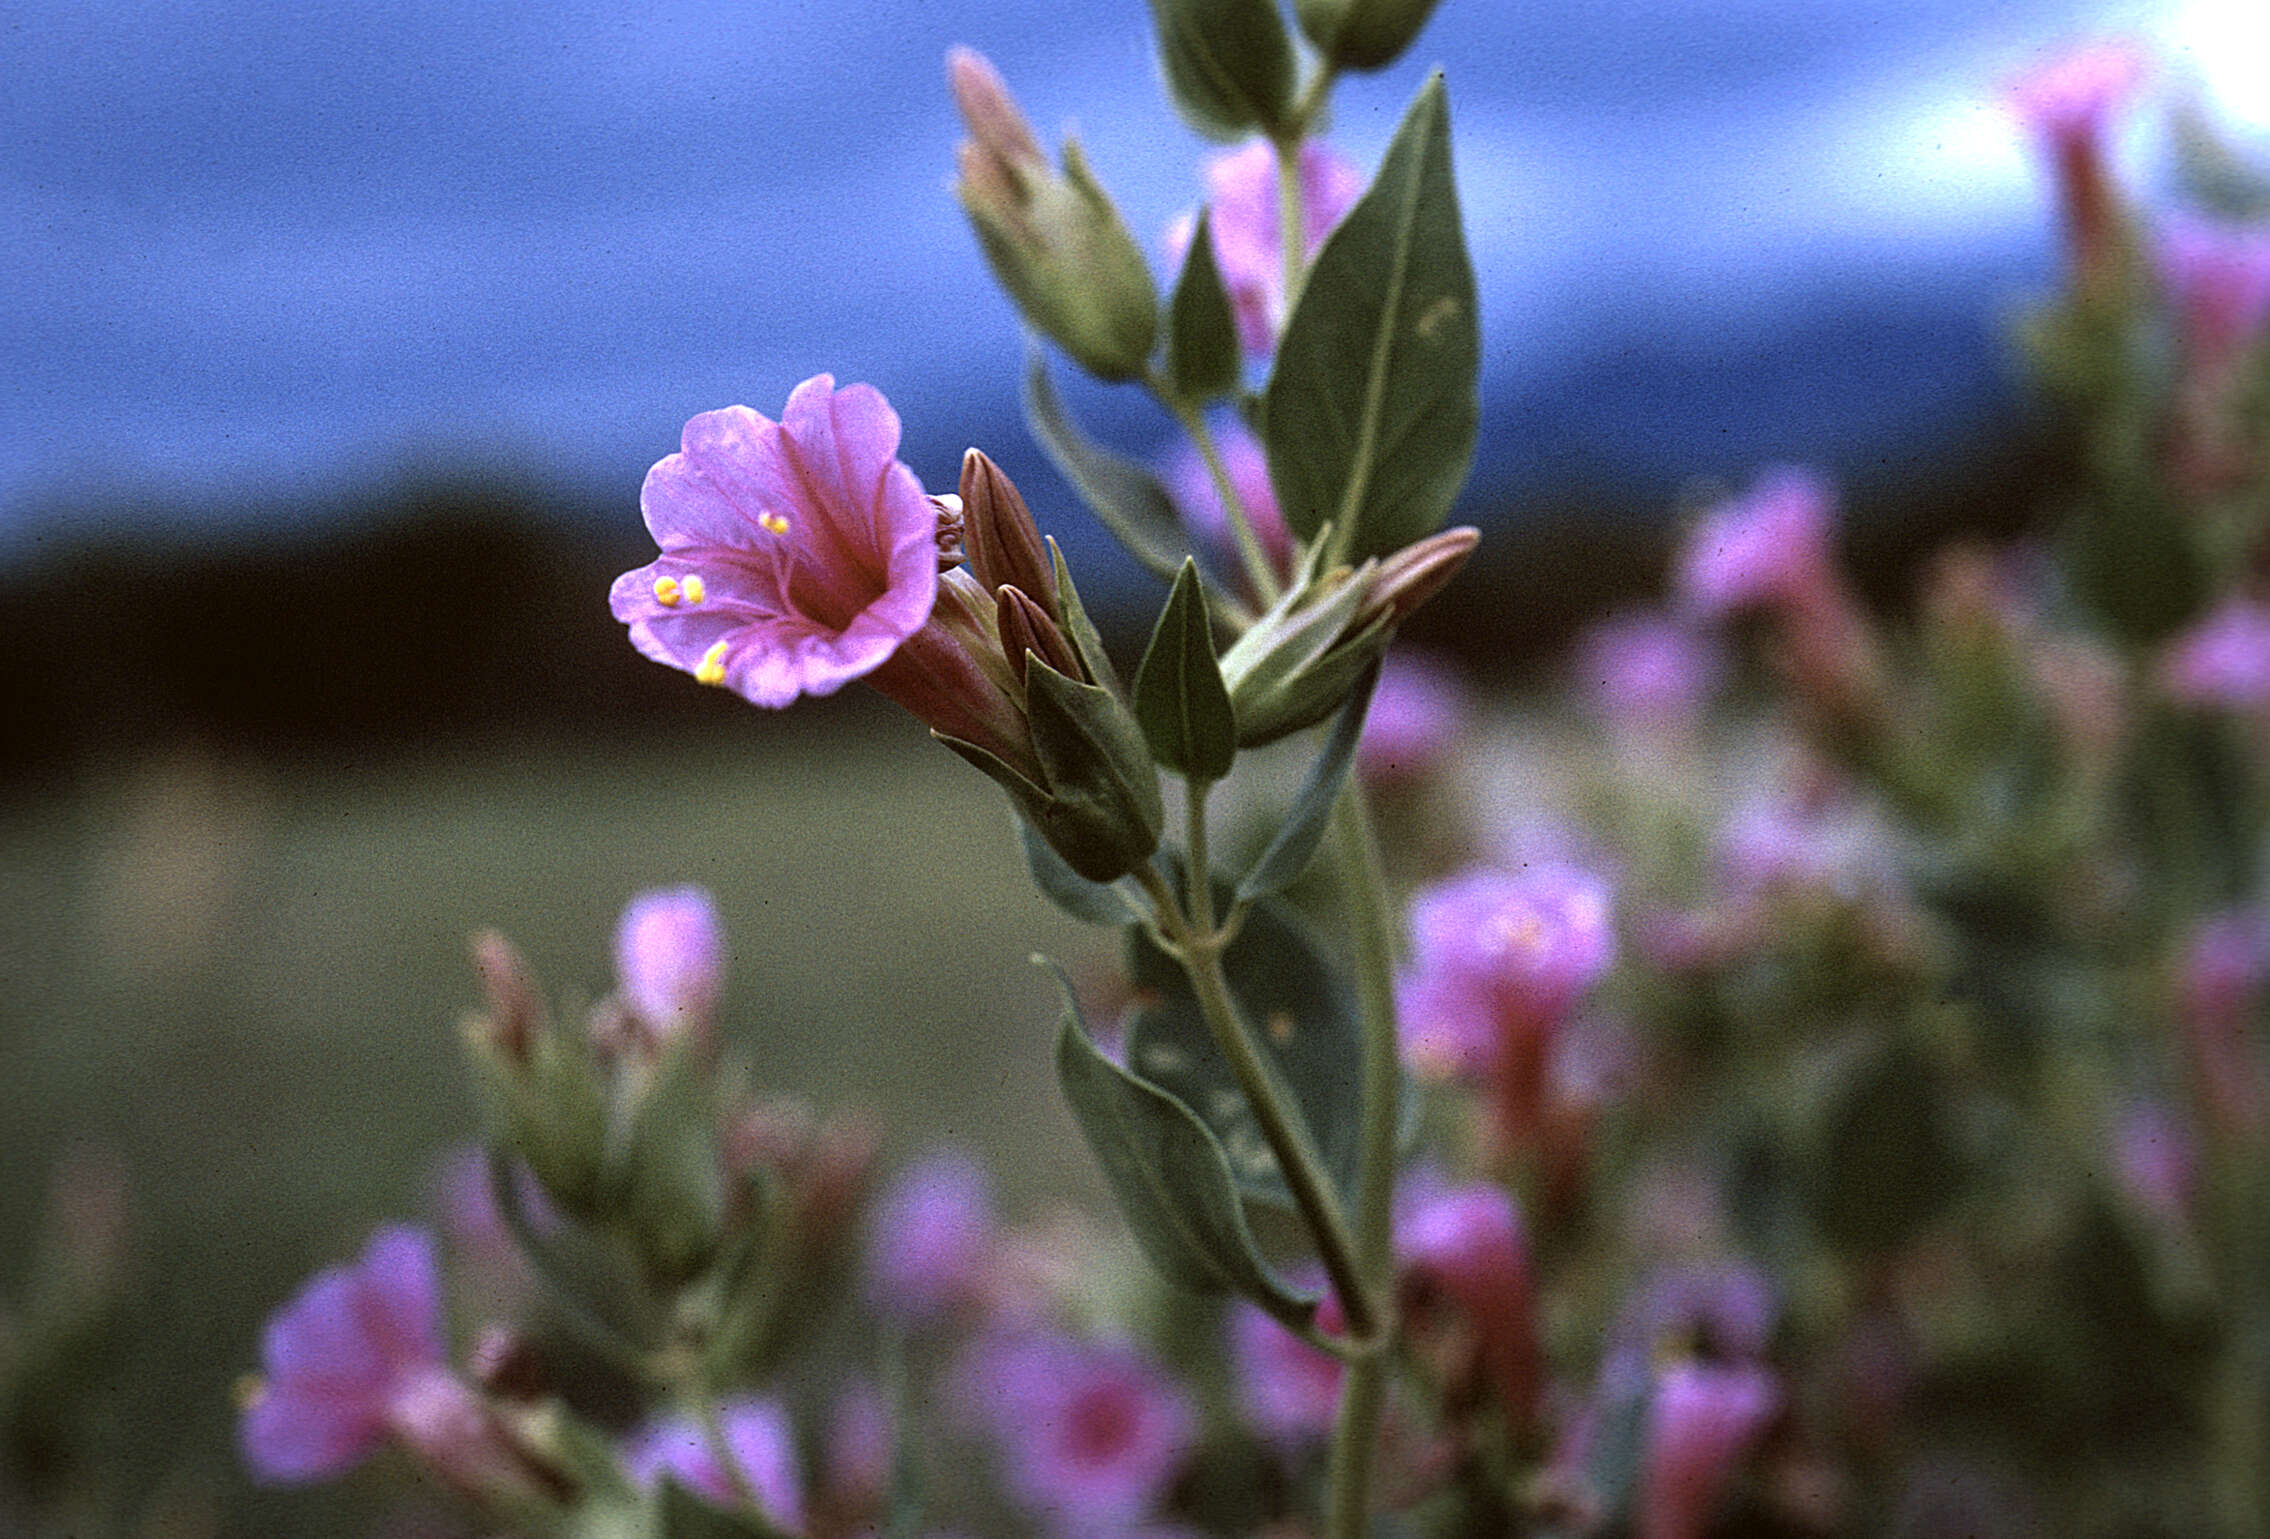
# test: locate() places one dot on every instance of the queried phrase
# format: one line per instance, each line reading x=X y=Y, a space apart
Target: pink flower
x=670 y=958
x=1415 y=717
x=762 y=1444
x=1702 y=1422
x=2223 y=661
x=1768 y=548
x=2156 y=1158
x=1247 y=466
x=1241 y=193
x=2218 y=278
x=799 y=555
x=2067 y=103
x=1498 y=961
x=340 y=1359
x=932 y=1241
x=2072 y=95
x=1289 y=1390
x=358 y=1358
x=1647 y=671
x=1090 y=1434
x=1464 y=1246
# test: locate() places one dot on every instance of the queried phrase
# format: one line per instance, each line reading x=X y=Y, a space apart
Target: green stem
x=1259 y=574
x=1198 y=946
x=1363 y=1392
x=1292 y=218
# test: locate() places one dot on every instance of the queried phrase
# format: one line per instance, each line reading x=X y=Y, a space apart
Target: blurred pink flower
x=1702 y=1422
x=2224 y=660
x=1648 y=671
x=1465 y=1246
x=670 y=956
x=799 y=555
x=2067 y=103
x=1289 y=1390
x=1416 y=715
x=1247 y=465
x=358 y=1357
x=932 y=1241
x=2219 y=983
x=2157 y=1159
x=1768 y=547
x=1090 y=1433
x=2218 y=278
x=1498 y=961
x=758 y=1434
x=1241 y=191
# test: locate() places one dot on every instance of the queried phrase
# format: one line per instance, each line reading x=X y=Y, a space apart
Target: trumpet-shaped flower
x=799 y=555
x=358 y=1358
x=1241 y=191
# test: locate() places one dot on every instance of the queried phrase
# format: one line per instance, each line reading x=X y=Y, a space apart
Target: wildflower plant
x=1850 y=1119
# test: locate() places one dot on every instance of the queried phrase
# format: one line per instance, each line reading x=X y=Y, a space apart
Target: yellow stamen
x=667 y=592
x=248 y=1391
x=777 y=523
x=695 y=589
x=711 y=669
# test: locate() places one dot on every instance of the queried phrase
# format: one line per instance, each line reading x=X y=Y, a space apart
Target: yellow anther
x=776 y=522
x=694 y=588
x=711 y=668
x=248 y=1391
x=667 y=592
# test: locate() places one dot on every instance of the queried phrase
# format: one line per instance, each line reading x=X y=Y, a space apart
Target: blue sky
x=250 y=251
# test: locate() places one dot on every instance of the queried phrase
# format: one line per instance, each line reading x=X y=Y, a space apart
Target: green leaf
x=1203 y=359
x=1089 y=902
x=1077 y=625
x=679 y=1514
x=1297 y=838
x=1304 y=1017
x=588 y=1277
x=1228 y=63
x=1180 y=700
x=1362 y=34
x=1125 y=498
x=1104 y=812
x=1371 y=412
x=1168 y=1172
x=1889 y=1164
x=670 y=1186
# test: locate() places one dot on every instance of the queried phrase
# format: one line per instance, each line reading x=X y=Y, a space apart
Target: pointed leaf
x=1228 y=63
x=1371 y=413
x=1104 y=812
x=1203 y=358
x=1303 y=1015
x=1302 y=831
x=1089 y=902
x=1168 y=1173
x=1125 y=498
x=1180 y=700
x=1077 y=625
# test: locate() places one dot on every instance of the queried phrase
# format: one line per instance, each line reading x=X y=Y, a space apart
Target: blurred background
x=335 y=340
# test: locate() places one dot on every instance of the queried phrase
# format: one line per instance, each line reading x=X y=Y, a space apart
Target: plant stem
x=1363 y=1392
x=1259 y=574
x=1198 y=946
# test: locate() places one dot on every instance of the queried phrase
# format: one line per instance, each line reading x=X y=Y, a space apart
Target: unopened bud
x=1362 y=34
x=1054 y=240
x=1297 y=664
x=1027 y=629
x=670 y=955
x=998 y=533
x=516 y=1009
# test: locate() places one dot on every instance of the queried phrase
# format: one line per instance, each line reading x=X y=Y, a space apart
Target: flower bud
x=670 y=960
x=1026 y=629
x=1362 y=34
x=1296 y=664
x=1054 y=241
x=1102 y=811
x=1004 y=546
x=516 y=1009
